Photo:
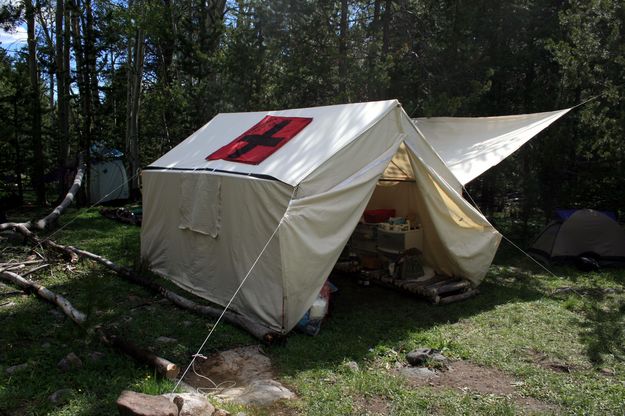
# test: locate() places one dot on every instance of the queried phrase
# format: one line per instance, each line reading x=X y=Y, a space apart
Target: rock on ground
x=60 y=397
x=245 y=375
x=420 y=356
x=95 y=356
x=193 y=404
x=15 y=368
x=130 y=403
x=263 y=393
x=70 y=362
x=166 y=340
x=352 y=365
x=417 y=373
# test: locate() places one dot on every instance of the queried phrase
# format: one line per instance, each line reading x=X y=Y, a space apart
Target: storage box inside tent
x=265 y=202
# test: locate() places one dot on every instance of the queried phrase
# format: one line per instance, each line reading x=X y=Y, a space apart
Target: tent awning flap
x=471 y=145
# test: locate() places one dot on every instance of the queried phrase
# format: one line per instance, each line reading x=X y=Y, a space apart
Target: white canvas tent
x=205 y=222
x=107 y=181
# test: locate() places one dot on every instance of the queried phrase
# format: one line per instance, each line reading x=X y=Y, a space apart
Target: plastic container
x=318 y=309
x=378 y=215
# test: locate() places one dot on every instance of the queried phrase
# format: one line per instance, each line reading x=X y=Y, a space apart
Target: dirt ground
x=466 y=376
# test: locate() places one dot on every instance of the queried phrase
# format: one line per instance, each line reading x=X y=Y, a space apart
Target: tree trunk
x=62 y=75
x=135 y=76
x=69 y=197
x=343 y=52
x=53 y=216
x=373 y=51
x=386 y=28
x=18 y=153
x=38 y=162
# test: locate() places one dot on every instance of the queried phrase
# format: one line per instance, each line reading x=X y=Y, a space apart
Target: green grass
x=519 y=323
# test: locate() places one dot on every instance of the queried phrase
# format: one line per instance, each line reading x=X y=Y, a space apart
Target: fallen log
x=455 y=298
x=163 y=366
x=453 y=287
x=44 y=293
x=262 y=333
x=66 y=251
x=69 y=197
x=56 y=213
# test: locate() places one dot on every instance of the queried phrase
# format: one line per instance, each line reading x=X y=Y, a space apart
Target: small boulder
x=95 y=356
x=130 y=403
x=166 y=340
x=417 y=373
x=16 y=368
x=263 y=393
x=70 y=362
x=192 y=404
x=440 y=358
x=352 y=365
x=420 y=356
x=221 y=412
x=61 y=397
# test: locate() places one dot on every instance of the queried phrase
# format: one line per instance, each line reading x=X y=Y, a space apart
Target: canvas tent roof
x=333 y=128
x=207 y=223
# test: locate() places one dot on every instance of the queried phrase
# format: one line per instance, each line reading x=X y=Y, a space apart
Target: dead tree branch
x=32 y=287
x=163 y=366
x=69 y=197
x=56 y=213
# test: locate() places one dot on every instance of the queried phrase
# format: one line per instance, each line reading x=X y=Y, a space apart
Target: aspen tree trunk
x=38 y=169
x=62 y=76
x=136 y=48
x=343 y=51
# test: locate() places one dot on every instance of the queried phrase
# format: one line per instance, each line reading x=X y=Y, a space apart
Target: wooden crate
x=400 y=241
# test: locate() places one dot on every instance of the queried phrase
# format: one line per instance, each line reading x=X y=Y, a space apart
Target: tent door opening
x=387 y=244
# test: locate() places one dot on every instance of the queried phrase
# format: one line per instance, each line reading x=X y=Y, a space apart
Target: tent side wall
x=204 y=231
x=545 y=241
x=589 y=231
x=458 y=239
